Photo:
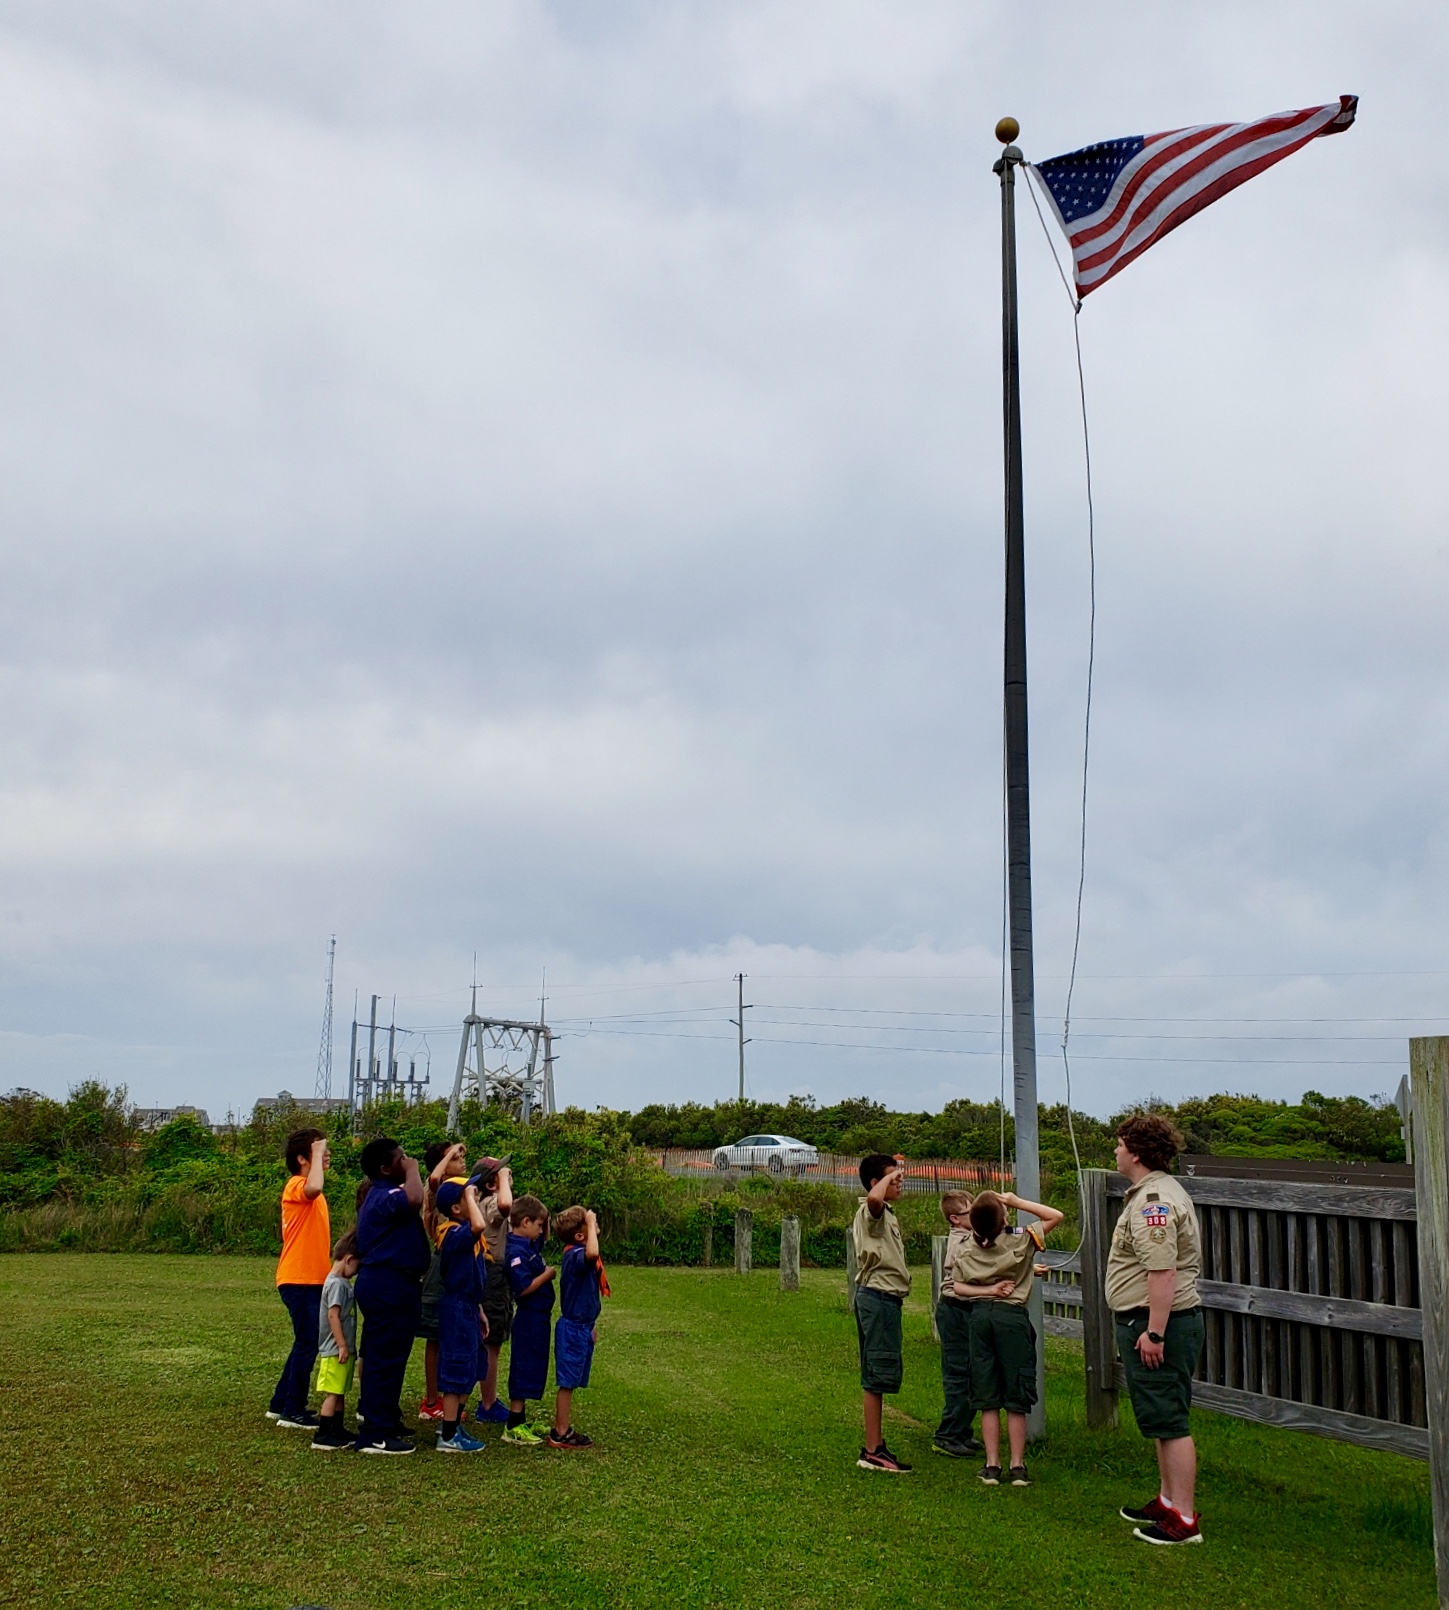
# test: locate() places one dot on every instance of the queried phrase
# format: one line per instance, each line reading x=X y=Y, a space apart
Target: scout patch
x=1155 y=1215
x=1157 y=1235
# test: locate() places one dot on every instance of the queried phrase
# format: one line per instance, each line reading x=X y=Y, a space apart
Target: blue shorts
x=528 y=1355
x=573 y=1353
x=457 y=1344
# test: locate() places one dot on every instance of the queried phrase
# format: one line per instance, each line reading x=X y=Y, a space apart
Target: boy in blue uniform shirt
x=460 y=1308
x=531 y=1282
x=582 y=1285
x=394 y=1255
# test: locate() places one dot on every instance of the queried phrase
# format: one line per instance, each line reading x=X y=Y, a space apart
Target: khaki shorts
x=1162 y=1397
x=878 y=1326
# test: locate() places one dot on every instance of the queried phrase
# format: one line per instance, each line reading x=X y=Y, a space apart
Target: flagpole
x=1018 y=781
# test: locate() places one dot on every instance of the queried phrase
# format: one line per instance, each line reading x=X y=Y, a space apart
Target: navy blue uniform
x=528 y=1354
x=458 y=1310
x=395 y=1255
x=579 y=1305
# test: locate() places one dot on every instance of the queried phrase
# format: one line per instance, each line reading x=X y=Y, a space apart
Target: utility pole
x=324 y=1050
x=739 y=1023
x=391 y=1041
x=369 y=1086
x=1018 y=781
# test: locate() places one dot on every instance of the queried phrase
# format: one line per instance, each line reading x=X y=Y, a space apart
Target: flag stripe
x=1115 y=199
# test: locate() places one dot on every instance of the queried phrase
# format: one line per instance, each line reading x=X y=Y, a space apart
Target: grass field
x=138 y=1471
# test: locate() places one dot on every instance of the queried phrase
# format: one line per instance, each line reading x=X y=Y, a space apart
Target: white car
x=780 y=1154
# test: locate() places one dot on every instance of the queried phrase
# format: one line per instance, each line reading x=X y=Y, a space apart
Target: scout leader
x=1152 y=1272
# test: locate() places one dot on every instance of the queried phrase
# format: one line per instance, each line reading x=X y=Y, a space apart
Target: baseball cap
x=450 y=1193
x=487 y=1166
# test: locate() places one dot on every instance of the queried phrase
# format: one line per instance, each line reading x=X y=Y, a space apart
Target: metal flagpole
x=1018 y=782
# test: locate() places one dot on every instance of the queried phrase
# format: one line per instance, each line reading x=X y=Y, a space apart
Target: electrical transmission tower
x=504 y=1063
x=324 y=1050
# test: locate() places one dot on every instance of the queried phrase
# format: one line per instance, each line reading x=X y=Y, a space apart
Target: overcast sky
x=525 y=480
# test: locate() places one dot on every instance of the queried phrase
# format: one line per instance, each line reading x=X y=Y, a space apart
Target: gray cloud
x=527 y=481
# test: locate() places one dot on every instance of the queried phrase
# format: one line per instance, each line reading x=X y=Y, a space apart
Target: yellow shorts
x=335 y=1376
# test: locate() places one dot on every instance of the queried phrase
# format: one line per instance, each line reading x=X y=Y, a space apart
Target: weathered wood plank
x=1099 y=1342
x=1055 y=1325
x=1356 y=1428
x=1281 y=1196
x=744 y=1239
x=790 y=1257
x=1429 y=1083
x=938 y=1273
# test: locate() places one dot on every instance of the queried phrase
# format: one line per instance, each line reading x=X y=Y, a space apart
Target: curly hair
x=1150 y=1139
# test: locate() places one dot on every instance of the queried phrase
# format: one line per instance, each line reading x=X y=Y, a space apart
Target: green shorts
x=1161 y=1397
x=878 y=1325
x=1003 y=1356
x=335 y=1376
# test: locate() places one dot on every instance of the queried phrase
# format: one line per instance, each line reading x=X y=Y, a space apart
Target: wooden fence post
x=789 y=1253
x=938 y=1271
x=850 y=1270
x=744 y=1236
x=1429 y=1072
x=708 y=1256
x=1099 y=1341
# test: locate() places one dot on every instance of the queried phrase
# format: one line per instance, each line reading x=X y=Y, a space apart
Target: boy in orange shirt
x=302 y=1271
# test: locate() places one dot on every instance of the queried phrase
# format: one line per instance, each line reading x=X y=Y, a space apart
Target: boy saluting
x=883 y=1282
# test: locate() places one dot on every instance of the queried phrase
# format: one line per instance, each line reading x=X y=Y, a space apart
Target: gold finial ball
x=1007 y=130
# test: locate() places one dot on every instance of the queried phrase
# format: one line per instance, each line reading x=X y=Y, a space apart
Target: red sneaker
x=1169 y=1528
x=430 y=1409
x=1152 y=1511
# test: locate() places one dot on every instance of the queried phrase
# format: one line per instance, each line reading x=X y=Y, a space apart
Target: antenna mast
x=324 y=1049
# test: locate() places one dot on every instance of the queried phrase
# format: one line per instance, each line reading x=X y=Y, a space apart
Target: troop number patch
x=1155 y=1215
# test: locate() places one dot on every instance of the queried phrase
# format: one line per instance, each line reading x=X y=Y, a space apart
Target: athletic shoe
x=1147 y=1515
x=955 y=1450
x=568 y=1439
x=459 y=1442
x=386 y=1445
x=992 y=1475
x=523 y=1436
x=273 y=1415
x=1169 y=1529
x=302 y=1420
x=883 y=1460
x=495 y=1414
x=430 y=1409
x=331 y=1436
x=1018 y=1477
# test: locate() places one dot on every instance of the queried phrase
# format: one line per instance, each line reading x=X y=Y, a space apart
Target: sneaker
x=1018 y=1477
x=495 y=1414
x=1169 y=1529
x=568 y=1439
x=430 y=1409
x=330 y=1437
x=272 y=1414
x=386 y=1445
x=955 y=1450
x=523 y=1436
x=460 y=1442
x=883 y=1460
x=302 y=1420
x=1150 y=1512
x=992 y=1475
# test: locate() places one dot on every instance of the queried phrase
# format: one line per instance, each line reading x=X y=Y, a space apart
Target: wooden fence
x=1310 y=1297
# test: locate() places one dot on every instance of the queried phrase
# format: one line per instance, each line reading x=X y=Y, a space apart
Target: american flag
x=1116 y=199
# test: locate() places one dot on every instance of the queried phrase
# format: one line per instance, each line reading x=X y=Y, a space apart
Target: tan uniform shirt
x=1011 y=1256
x=880 y=1252
x=495 y=1228
x=955 y=1244
x=1157 y=1230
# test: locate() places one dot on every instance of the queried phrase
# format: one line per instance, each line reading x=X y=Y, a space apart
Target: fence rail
x=923 y=1177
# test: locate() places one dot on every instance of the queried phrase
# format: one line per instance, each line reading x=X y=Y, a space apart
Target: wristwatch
x=1155 y=1339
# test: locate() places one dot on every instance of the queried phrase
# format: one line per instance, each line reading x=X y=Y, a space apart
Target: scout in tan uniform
x=995 y=1270
x=953 y=1435
x=1152 y=1272
x=883 y=1283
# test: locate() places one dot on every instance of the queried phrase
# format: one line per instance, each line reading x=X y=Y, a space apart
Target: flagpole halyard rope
x=1036 y=180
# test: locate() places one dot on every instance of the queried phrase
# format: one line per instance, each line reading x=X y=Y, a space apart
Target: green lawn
x=139 y=1471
